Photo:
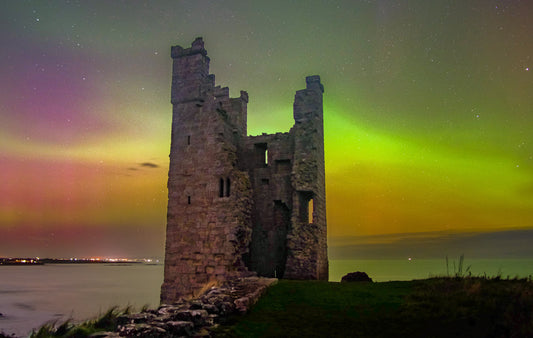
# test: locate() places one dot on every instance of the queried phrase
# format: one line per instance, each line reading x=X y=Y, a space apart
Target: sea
x=31 y=296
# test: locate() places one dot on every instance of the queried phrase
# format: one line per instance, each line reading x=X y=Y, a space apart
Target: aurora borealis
x=428 y=110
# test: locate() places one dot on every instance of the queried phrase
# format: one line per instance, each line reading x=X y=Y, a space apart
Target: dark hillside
x=440 y=307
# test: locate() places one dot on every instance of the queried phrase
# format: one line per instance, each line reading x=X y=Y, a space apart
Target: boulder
x=142 y=330
x=135 y=318
x=198 y=317
x=357 y=276
x=242 y=304
x=225 y=308
x=104 y=334
x=210 y=308
x=194 y=317
x=180 y=328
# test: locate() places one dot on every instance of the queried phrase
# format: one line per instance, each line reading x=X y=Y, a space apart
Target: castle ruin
x=240 y=204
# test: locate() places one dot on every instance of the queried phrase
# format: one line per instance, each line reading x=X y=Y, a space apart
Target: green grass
x=436 y=307
x=439 y=307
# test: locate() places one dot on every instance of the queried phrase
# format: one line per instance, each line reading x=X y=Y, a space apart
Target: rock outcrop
x=357 y=276
x=194 y=317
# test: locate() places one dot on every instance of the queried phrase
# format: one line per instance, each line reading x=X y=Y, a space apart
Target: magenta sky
x=428 y=114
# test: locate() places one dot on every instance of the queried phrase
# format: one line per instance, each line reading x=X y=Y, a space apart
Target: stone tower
x=239 y=204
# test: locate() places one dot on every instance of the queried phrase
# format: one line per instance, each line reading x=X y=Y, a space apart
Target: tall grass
x=105 y=322
x=458 y=271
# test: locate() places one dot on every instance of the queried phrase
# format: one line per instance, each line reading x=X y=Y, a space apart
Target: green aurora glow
x=428 y=112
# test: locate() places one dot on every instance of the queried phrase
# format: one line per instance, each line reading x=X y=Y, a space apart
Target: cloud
x=497 y=244
x=149 y=165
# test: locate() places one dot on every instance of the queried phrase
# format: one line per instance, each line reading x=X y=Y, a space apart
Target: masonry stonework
x=237 y=204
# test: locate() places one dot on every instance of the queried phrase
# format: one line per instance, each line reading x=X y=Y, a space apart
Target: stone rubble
x=194 y=317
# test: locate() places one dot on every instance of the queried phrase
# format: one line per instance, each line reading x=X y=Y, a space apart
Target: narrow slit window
x=221 y=188
x=306 y=206
x=310 y=209
x=188 y=199
x=189 y=140
x=227 y=187
x=266 y=156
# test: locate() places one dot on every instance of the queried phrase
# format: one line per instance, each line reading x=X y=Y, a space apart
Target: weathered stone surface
x=198 y=317
x=136 y=318
x=105 y=334
x=242 y=304
x=210 y=308
x=240 y=204
x=142 y=330
x=184 y=318
x=357 y=276
x=180 y=328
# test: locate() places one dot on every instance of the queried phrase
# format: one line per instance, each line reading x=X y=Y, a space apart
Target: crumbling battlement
x=240 y=204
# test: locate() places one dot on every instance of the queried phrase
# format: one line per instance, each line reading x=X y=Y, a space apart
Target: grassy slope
x=443 y=307
x=440 y=307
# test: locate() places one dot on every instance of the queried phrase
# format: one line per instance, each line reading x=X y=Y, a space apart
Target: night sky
x=428 y=110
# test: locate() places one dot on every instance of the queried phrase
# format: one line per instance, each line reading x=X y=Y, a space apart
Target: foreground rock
x=195 y=317
x=357 y=276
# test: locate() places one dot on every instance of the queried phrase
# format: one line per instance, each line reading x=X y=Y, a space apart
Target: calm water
x=33 y=295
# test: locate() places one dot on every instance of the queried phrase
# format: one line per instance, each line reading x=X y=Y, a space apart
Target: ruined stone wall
x=287 y=175
x=307 y=240
x=208 y=219
x=268 y=160
x=240 y=203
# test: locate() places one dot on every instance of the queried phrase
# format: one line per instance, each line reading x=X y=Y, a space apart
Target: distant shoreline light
x=72 y=260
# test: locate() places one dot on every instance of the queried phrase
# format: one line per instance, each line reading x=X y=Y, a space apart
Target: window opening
x=260 y=154
x=306 y=206
x=311 y=209
x=227 y=187
x=221 y=188
x=188 y=199
x=189 y=140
